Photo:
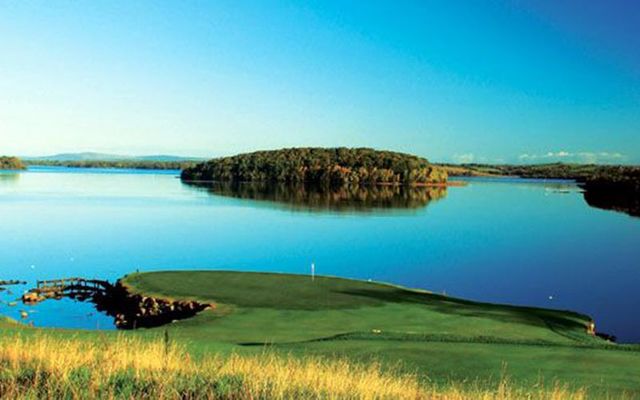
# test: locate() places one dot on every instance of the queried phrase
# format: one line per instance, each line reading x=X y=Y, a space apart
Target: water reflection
x=620 y=201
x=605 y=197
x=307 y=197
x=8 y=177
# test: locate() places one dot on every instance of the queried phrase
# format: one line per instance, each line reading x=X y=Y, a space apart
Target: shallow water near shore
x=527 y=242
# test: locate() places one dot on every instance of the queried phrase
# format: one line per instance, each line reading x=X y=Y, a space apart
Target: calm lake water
x=514 y=241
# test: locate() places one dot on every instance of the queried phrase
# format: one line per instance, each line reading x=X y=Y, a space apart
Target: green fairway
x=441 y=338
x=279 y=308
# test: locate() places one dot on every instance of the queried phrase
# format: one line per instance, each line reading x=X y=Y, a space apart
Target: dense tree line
x=579 y=172
x=622 y=175
x=335 y=166
x=12 y=163
x=615 y=188
x=123 y=164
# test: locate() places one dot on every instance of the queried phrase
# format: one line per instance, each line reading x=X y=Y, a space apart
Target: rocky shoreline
x=131 y=311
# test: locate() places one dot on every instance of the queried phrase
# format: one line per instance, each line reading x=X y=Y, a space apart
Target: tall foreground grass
x=42 y=367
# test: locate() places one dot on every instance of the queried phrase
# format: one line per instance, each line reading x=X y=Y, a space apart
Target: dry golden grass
x=49 y=368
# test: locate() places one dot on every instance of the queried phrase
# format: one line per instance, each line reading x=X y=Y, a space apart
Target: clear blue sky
x=494 y=81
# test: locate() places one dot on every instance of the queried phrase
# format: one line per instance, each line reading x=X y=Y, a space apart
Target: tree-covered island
x=333 y=166
x=11 y=163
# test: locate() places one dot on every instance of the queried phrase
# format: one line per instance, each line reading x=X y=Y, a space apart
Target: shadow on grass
x=563 y=322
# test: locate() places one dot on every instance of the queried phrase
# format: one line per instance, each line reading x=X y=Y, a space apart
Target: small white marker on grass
x=313 y=271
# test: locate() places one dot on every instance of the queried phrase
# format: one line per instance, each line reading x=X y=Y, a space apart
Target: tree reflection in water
x=616 y=200
x=309 y=197
x=8 y=177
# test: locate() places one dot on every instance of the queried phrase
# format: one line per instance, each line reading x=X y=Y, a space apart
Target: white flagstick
x=313 y=271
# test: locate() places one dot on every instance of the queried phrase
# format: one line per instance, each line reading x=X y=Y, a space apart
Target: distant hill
x=94 y=156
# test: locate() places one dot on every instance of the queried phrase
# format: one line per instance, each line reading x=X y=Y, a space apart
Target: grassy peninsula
x=335 y=166
x=288 y=336
x=11 y=163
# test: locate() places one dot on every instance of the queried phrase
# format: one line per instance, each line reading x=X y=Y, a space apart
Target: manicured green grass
x=441 y=338
x=281 y=308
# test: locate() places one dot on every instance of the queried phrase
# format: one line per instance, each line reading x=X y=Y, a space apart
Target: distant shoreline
x=113 y=164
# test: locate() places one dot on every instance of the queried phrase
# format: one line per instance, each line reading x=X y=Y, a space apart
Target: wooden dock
x=66 y=284
x=57 y=288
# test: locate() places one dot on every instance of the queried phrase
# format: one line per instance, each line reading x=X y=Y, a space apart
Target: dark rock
x=132 y=311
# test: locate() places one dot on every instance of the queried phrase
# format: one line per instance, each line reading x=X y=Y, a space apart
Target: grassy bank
x=46 y=368
x=447 y=346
